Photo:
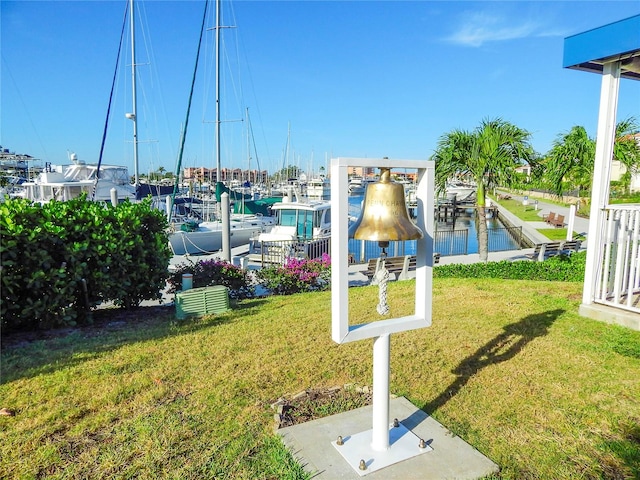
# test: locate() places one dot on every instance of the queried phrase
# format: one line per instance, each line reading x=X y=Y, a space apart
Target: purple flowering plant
x=297 y=275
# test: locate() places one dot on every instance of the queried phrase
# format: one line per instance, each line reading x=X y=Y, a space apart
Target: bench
x=550 y=249
x=396 y=265
x=557 y=222
x=545 y=250
x=570 y=246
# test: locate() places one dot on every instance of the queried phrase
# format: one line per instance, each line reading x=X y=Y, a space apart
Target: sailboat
x=205 y=237
x=99 y=182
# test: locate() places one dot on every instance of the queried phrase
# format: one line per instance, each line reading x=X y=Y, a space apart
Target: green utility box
x=196 y=302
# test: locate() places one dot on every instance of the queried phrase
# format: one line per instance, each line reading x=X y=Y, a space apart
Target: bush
x=214 y=272
x=296 y=275
x=62 y=258
x=561 y=268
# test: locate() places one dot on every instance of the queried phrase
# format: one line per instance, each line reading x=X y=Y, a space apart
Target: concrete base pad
x=357 y=449
x=612 y=315
x=311 y=444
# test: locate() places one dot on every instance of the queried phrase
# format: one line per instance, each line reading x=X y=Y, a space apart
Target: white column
x=226 y=227
x=169 y=206
x=339 y=252
x=601 y=175
x=572 y=221
x=381 y=360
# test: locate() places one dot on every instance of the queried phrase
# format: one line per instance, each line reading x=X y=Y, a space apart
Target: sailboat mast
x=133 y=115
x=248 y=147
x=219 y=171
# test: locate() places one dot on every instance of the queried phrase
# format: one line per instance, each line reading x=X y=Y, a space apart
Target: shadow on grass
x=503 y=347
x=626 y=449
x=28 y=354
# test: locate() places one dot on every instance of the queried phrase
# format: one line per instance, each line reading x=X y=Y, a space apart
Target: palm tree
x=626 y=148
x=569 y=164
x=490 y=155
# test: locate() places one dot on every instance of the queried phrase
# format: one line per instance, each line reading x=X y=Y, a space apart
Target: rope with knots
x=382 y=277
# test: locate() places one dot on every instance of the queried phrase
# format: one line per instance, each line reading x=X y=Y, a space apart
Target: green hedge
x=561 y=268
x=60 y=259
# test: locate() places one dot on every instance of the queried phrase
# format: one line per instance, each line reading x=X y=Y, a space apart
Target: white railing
x=619 y=275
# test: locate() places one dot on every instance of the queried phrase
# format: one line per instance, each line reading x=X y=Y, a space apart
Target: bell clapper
x=383 y=246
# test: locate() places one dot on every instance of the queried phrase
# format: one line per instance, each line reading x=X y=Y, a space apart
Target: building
x=611 y=290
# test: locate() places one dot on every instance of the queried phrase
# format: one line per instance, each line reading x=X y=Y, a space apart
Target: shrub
x=561 y=268
x=214 y=272
x=62 y=258
x=297 y=275
x=37 y=288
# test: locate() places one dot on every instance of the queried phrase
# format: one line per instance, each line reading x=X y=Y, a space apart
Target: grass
x=507 y=365
x=528 y=213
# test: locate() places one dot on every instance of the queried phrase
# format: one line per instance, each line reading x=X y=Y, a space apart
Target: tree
x=290 y=171
x=569 y=164
x=626 y=148
x=490 y=155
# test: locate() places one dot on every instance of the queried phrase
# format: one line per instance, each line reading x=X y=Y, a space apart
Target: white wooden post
x=601 y=175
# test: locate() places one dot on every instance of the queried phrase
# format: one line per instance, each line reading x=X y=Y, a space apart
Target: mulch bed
x=318 y=403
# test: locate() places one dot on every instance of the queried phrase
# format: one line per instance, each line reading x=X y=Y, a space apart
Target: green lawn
x=507 y=365
x=528 y=213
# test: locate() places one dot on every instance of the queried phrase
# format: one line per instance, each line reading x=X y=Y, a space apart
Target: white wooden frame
x=342 y=332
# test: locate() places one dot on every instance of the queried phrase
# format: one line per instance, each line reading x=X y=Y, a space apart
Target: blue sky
x=349 y=79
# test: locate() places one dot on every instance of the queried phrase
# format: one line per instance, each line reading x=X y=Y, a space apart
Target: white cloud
x=476 y=29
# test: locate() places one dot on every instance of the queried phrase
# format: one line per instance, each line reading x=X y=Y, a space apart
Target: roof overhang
x=618 y=41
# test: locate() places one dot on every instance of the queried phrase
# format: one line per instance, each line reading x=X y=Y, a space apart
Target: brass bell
x=384 y=215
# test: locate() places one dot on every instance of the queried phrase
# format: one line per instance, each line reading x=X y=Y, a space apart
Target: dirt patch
x=318 y=403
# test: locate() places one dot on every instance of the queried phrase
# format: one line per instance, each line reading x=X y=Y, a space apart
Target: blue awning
x=618 y=41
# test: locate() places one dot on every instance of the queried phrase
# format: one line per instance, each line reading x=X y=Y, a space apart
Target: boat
x=411 y=197
x=65 y=182
x=302 y=230
x=100 y=182
x=200 y=238
x=356 y=186
x=310 y=220
x=456 y=191
x=195 y=236
x=319 y=187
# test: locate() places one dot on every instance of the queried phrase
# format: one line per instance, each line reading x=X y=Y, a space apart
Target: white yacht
x=319 y=187
x=302 y=230
x=460 y=191
x=64 y=182
x=356 y=186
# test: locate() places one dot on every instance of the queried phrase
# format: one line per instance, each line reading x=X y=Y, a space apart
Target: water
x=459 y=237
